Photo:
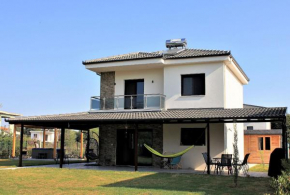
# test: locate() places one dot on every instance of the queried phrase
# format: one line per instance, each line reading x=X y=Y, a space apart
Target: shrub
x=282 y=183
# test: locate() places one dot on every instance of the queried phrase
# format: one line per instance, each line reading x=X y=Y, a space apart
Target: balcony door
x=134 y=94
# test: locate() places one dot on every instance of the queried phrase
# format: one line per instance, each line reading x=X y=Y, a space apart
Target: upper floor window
x=193 y=84
x=250 y=128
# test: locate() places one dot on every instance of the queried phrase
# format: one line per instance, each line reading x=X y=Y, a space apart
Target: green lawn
x=76 y=181
x=5 y=163
x=260 y=168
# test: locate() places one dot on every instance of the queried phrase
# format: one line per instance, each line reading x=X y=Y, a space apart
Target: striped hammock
x=169 y=155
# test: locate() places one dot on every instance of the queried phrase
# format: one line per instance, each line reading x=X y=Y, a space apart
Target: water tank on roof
x=176 y=43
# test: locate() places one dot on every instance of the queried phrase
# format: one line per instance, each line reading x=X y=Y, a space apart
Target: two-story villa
x=168 y=99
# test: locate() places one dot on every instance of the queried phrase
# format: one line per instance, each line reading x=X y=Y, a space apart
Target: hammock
x=169 y=155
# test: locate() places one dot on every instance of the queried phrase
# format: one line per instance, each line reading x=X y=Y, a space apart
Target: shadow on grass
x=196 y=183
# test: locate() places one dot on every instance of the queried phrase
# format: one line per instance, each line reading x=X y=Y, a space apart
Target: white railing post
x=145 y=101
x=117 y=104
x=131 y=102
x=104 y=107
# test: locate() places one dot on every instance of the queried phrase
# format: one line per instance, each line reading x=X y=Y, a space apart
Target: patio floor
x=92 y=166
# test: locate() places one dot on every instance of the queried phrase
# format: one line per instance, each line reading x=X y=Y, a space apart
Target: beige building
x=169 y=99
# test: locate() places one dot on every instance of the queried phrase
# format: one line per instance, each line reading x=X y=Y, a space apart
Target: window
x=46 y=138
x=267 y=143
x=192 y=136
x=193 y=84
x=250 y=128
x=262 y=140
x=35 y=135
x=260 y=143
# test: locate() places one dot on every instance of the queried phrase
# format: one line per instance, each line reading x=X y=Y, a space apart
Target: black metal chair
x=65 y=157
x=244 y=164
x=210 y=163
x=226 y=161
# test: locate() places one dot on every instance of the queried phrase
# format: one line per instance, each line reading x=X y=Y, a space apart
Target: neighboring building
x=38 y=135
x=5 y=115
x=168 y=99
x=260 y=140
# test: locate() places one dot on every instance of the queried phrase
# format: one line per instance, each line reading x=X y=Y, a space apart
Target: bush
x=282 y=183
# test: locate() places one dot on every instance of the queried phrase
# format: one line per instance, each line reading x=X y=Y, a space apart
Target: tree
x=278 y=125
x=236 y=155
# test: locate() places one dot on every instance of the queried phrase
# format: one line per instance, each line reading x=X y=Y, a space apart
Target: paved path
x=92 y=166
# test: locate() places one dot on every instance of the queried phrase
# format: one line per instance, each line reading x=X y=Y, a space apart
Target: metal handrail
x=113 y=103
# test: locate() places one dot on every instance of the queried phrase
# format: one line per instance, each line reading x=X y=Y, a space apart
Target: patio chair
x=244 y=164
x=65 y=157
x=210 y=163
x=175 y=162
x=92 y=156
x=226 y=161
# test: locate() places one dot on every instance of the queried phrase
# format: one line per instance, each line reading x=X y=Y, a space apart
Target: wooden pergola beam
x=43 y=138
x=55 y=143
x=14 y=142
x=21 y=145
x=82 y=145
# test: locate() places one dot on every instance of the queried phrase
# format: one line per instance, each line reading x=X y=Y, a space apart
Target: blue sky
x=43 y=44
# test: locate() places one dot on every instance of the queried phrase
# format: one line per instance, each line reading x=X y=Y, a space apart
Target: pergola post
x=208 y=148
x=82 y=144
x=136 y=148
x=14 y=142
x=88 y=145
x=61 y=147
x=284 y=138
x=21 y=145
x=43 y=138
x=54 y=143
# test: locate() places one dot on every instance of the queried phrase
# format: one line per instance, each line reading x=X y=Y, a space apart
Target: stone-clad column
x=107 y=90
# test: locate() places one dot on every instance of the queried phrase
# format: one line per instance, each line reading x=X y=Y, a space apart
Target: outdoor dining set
x=226 y=161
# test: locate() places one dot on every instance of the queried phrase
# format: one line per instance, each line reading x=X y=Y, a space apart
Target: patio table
x=218 y=160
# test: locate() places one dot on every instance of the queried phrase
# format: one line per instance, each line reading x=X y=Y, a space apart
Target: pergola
x=87 y=120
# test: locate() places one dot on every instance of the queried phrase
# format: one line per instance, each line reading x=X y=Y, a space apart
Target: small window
x=192 y=136
x=260 y=143
x=250 y=128
x=46 y=137
x=267 y=143
x=35 y=135
x=193 y=84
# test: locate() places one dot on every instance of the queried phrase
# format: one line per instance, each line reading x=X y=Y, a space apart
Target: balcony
x=128 y=102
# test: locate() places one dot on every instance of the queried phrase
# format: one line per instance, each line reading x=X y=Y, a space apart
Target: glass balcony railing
x=129 y=102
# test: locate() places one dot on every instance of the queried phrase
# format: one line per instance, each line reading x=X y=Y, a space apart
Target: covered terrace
x=86 y=120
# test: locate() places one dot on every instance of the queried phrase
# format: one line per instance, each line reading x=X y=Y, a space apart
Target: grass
x=77 y=181
x=6 y=163
x=260 y=168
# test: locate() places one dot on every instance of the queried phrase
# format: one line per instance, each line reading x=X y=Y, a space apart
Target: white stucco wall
x=214 y=87
x=229 y=138
x=233 y=90
x=258 y=126
x=148 y=75
x=193 y=159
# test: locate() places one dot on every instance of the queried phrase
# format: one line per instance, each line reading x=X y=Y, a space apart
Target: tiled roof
x=173 y=114
x=178 y=54
x=186 y=53
x=263 y=132
x=123 y=57
x=252 y=106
